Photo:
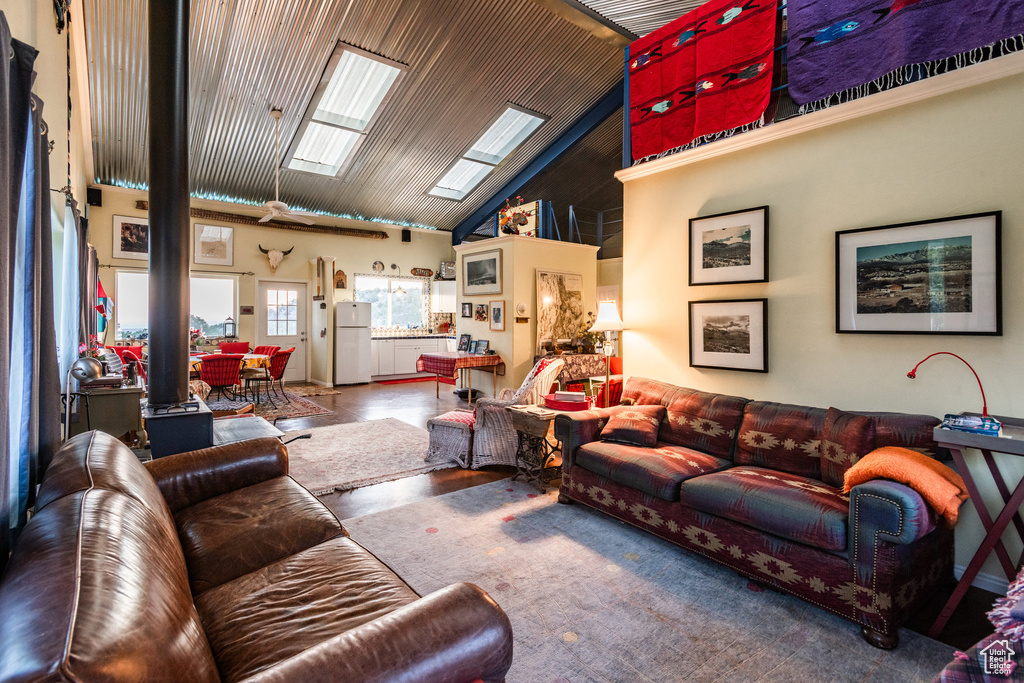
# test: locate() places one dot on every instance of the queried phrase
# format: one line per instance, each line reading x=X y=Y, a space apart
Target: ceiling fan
x=277 y=208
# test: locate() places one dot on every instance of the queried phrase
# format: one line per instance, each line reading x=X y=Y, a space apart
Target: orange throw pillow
x=942 y=488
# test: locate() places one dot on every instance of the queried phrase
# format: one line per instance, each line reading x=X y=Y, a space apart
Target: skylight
x=493 y=146
x=352 y=90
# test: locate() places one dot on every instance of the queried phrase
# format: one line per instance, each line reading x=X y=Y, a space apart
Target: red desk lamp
x=985 y=423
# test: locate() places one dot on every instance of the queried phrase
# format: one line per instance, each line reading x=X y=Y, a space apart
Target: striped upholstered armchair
x=494 y=439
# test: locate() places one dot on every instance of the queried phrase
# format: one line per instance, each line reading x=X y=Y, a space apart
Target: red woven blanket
x=704 y=73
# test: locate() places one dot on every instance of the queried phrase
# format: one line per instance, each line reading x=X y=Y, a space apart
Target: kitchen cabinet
x=442 y=296
x=408 y=351
x=398 y=356
x=374 y=357
x=386 y=356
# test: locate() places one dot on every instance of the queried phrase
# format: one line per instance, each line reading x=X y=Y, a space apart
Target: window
x=493 y=146
x=388 y=305
x=282 y=312
x=354 y=86
x=212 y=300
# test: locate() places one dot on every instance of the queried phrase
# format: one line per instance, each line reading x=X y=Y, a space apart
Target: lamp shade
x=608 y=319
x=86 y=368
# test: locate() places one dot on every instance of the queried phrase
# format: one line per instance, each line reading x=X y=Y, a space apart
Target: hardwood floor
x=416 y=403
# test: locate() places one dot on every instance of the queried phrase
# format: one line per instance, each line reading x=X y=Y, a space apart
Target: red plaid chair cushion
x=266 y=350
x=221 y=369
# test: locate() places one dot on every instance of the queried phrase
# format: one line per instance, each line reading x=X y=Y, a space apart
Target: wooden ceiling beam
x=210 y=215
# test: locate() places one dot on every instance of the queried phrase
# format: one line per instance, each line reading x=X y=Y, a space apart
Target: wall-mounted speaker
x=406 y=235
x=94 y=196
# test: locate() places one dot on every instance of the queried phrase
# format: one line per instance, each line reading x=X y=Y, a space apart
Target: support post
x=168 y=202
x=600 y=233
x=627 y=141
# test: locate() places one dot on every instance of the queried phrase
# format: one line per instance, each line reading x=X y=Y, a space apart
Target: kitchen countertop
x=417 y=336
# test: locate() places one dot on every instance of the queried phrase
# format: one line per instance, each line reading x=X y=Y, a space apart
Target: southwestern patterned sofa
x=757 y=486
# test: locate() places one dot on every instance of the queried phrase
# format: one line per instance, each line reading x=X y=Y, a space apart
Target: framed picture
x=340 y=280
x=560 y=311
x=480 y=313
x=481 y=273
x=215 y=245
x=464 y=342
x=498 y=315
x=729 y=248
x=730 y=335
x=941 y=276
x=467 y=310
x=131 y=238
x=472 y=346
x=482 y=345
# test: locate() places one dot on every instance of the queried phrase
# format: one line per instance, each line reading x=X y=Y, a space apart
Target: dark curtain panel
x=84 y=264
x=15 y=86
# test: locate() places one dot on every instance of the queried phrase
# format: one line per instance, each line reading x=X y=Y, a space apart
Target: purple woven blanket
x=836 y=45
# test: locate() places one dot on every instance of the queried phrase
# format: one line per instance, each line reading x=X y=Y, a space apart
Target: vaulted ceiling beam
x=587 y=19
x=608 y=105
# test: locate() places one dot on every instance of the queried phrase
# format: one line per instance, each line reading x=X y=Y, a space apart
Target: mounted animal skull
x=275 y=256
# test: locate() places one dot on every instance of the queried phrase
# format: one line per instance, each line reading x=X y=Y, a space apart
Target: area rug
x=593 y=599
x=299 y=407
x=347 y=456
x=311 y=389
x=443 y=380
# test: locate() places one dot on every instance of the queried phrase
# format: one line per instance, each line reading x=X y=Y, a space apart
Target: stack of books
x=572 y=396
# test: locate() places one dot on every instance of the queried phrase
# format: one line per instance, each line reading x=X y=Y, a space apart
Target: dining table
x=250 y=361
x=451 y=363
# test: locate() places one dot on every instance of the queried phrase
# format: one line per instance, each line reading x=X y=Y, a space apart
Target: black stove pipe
x=168 y=202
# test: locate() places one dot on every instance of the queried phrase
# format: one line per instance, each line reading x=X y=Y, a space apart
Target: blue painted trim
x=627 y=140
x=607 y=106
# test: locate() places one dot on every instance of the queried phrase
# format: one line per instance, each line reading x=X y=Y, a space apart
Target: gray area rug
x=593 y=599
x=347 y=456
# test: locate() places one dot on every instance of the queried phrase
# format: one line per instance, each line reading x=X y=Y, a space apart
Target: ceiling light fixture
x=397 y=290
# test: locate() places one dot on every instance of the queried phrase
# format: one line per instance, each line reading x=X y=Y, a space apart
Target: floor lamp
x=609 y=322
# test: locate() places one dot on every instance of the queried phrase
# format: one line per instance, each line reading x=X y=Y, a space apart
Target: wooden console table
x=116 y=411
x=1011 y=442
x=448 y=363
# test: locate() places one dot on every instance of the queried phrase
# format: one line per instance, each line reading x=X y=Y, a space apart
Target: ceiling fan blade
x=302 y=213
x=266 y=218
x=297 y=217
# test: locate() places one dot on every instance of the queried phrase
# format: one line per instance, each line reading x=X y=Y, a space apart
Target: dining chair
x=222 y=371
x=234 y=347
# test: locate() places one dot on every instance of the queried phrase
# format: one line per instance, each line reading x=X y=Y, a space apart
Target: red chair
x=615 y=366
x=278 y=363
x=234 y=347
x=265 y=350
x=614 y=394
x=222 y=371
x=129 y=354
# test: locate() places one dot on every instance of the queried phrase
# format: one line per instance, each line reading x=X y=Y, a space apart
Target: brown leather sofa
x=215 y=565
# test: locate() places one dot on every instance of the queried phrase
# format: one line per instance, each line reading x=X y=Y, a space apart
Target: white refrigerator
x=351 y=342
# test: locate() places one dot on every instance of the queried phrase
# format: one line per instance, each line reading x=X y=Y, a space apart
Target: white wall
x=953 y=154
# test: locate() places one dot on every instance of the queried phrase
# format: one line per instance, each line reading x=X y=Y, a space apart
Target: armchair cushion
x=786 y=505
x=845 y=439
x=244 y=530
x=637 y=426
x=656 y=471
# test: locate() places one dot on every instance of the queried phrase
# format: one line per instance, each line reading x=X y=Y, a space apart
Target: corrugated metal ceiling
x=466 y=59
x=641 y=16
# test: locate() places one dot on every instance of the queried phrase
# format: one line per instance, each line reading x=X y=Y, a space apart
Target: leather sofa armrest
x=580 y=427
x=457 y=634
x=188 y=478
x=884 y=510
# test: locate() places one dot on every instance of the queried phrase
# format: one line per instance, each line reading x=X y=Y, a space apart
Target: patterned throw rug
x=593 y=599
x=347 y=456
x=311 y=389
x=299 y=407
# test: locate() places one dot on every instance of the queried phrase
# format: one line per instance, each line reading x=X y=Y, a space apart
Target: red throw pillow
x=845 y=439
x=637 y=425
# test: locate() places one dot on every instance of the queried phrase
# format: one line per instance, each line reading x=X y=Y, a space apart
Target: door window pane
x=282 y=312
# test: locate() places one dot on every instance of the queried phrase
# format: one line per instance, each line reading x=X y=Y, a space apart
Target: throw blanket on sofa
x=837 y=45
x=942 y=488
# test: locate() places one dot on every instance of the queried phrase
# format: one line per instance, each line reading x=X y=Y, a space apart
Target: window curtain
x=15 y=113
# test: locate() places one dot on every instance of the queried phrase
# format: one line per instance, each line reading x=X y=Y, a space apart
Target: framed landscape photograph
x=464 y=342
x=482 y=345
x=480 y=313
x=498 y=315
x=131 y=238
x=215 y=245
x=560 y=311
x=729 y=335
x=472 y=346
x=941 y=276
x=729 y=248
x=467 y=310
x=481 y=273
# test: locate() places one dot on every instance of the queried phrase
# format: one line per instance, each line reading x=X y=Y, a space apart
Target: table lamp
x=83 y=369
x=986 y=424
x=608 y=321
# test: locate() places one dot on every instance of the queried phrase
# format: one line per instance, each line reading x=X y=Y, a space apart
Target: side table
x=1011 y=442
x=534 y=451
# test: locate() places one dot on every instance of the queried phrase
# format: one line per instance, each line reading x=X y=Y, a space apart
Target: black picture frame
x=472 y=346
x=464 y=342
x=729 y=334
x=729 y=248
x=941 y=276
x=467 y=309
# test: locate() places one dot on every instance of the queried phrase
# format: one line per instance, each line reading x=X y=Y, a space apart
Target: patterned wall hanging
x=706 y=72
x=838 y=45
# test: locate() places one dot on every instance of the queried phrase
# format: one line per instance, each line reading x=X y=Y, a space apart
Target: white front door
x=281 y=321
